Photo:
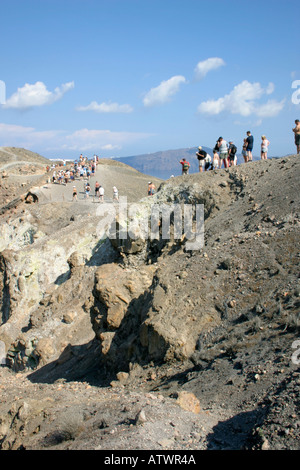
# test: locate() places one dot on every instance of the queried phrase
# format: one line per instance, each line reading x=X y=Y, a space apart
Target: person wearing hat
x=201 y=155
x=151 y=188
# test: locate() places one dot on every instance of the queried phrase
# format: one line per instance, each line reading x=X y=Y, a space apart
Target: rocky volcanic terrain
x=144 y=343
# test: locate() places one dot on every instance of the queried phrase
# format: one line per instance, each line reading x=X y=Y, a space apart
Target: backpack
x=186 y=166
x=233 y=150
x=201 y=156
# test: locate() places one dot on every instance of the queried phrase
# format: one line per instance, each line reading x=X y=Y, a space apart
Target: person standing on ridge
x=264 y=147
x=216 y=159
x=250 y=142
x=232 y=154
x=296 y=131
x=201 y=155
x=151 y=188
x=87 y=190
x=223 y=149
x=244 y=150
x=185 y=166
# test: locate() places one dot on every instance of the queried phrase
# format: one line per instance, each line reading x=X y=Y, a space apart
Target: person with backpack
x=232 y=149
x=115 y=194
x=201 y=155
x=185 y=166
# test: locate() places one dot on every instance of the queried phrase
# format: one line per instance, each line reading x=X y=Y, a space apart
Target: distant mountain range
x=165 y=163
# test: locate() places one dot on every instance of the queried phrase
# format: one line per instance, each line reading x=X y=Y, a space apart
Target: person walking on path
x=101 y=194
x=296 y=131
x=244 y=150
x=97 y=189
x=74 y=193
x=87 y=191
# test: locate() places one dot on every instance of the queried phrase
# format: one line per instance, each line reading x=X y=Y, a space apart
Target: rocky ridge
x=183 y=349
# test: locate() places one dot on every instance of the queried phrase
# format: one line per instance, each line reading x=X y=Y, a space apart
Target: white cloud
x=270 y=88
x=243 y=100
x=31 y=95
x=54 y=140
x=86 y=139
x=163 y=92
x=27 y=137
x=106 y=108
x=207 y=65
x=271 y=108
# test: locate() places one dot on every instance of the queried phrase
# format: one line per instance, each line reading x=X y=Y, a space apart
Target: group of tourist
x=225 y=153
x=82 y=170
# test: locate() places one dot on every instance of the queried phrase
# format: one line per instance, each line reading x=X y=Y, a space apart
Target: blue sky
x=126 y=77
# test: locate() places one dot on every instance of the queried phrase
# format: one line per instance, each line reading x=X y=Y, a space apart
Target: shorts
x=244 y=153
x=201 y=163
x=297 y=139
x=249 y=149
x=223 y=155
x=264 y=149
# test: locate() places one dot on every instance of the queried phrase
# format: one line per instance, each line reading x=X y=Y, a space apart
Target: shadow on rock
x=79 y=363
x=234 y=433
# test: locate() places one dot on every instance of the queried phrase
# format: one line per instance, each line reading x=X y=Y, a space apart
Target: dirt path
x=130 y=183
